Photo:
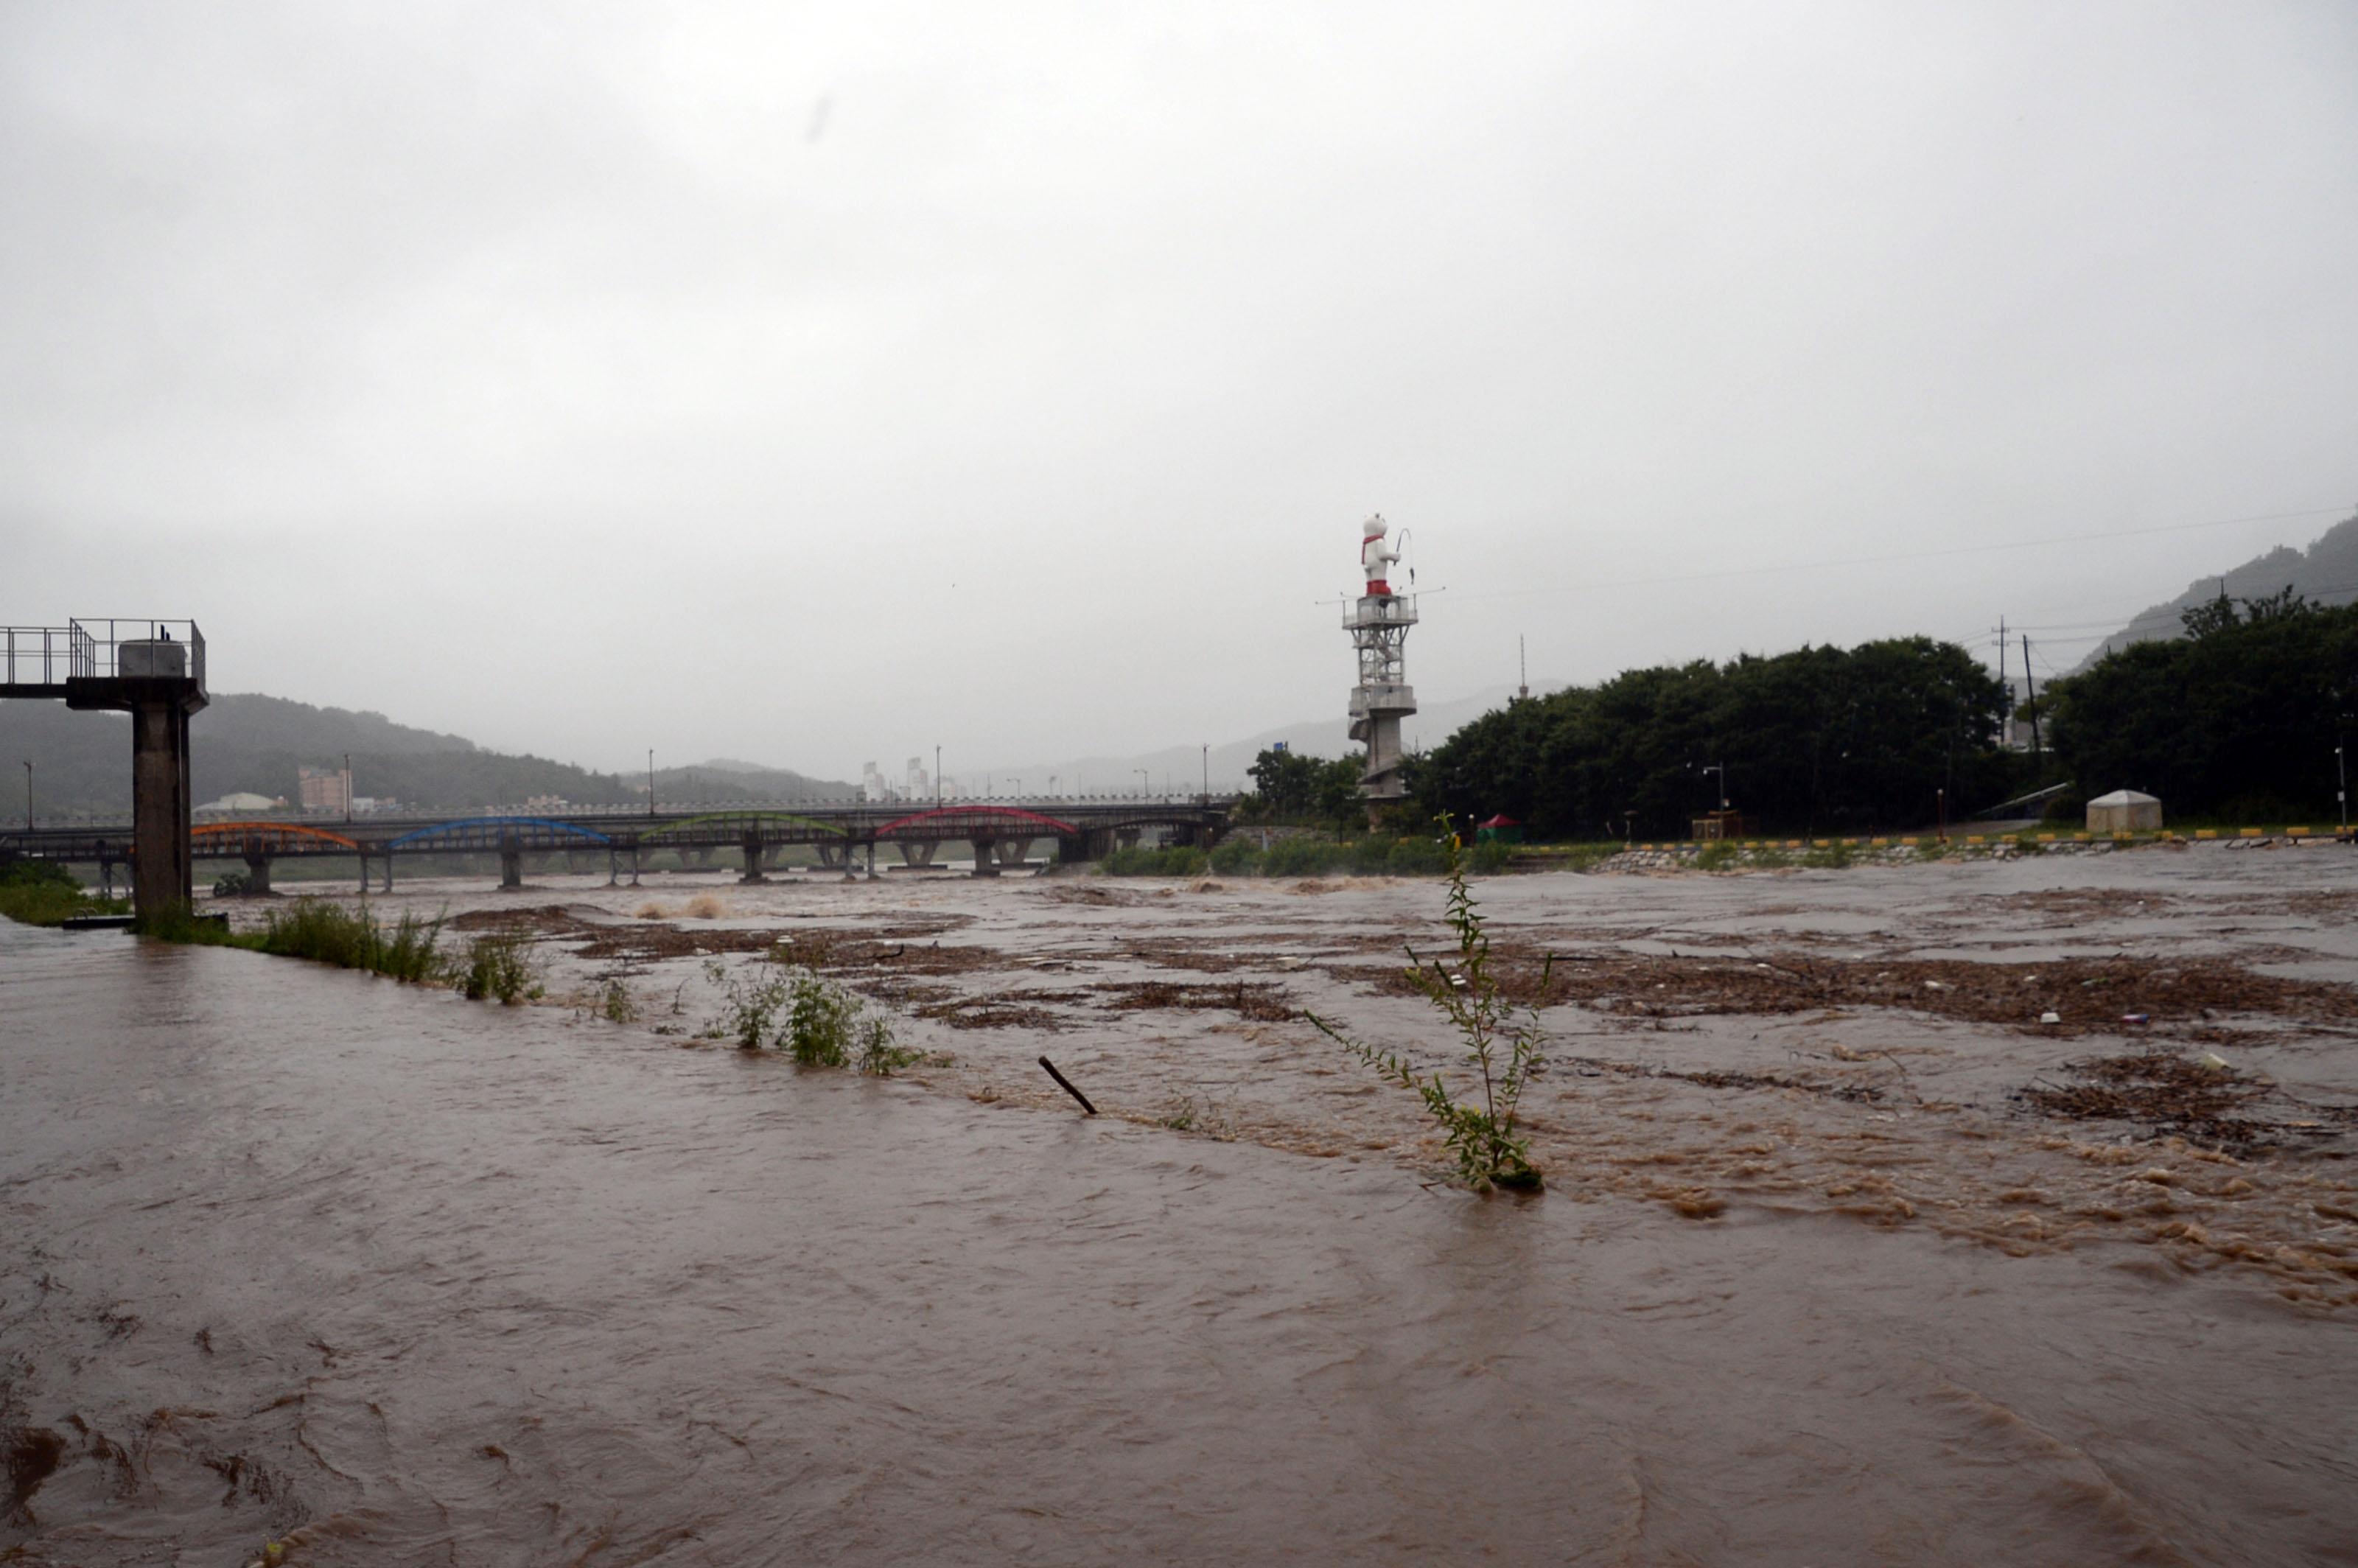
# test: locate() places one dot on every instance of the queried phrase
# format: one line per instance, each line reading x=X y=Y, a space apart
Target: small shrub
x=1772 y=861
x=42 y=892
x=1834 y=857
x=1485 y=860
x=1930 y=849
x=1235 y=858
x=1369 y=857
x=1717 y=855
x=1174 y=861
x=500 y=967
x=179 y=923
x=1422 y=858
x=616 y=1002
x=827 y=1026
x=233 y=886
x=408 y=952
x=1501 y=1051
x=748 y=1003
x=325 y=932
x=1301 y=857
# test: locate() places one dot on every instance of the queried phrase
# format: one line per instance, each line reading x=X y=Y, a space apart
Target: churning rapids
x=293 y=1254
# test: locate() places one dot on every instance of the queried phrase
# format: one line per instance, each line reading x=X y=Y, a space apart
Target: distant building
x=240 y=803
x=873 y=786
x=326 y=789
x=546 y=803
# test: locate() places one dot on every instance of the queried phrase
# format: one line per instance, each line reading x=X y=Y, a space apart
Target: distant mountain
x=251 y=744
x=724 y=778
x=1231 y=761
x=2326 y=573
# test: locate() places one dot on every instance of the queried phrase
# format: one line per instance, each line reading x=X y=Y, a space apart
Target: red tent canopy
x=1501 y=820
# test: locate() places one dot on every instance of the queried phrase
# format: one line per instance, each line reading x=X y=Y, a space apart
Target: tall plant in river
x=1501 y=1046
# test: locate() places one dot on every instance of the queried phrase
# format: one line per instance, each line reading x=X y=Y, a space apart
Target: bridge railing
x=34 y=655
x=96 y=646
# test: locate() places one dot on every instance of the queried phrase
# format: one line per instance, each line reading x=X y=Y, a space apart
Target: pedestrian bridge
x=846 y=835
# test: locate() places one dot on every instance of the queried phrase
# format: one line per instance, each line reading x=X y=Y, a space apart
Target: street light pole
x=2340 y=790
x=937 y=775
x=28 y=798
x=1208 y=775
x=1145 y=783
x=348 y=786
x=651 y=781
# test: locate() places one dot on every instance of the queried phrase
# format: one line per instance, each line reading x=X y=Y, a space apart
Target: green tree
x=1815 y=739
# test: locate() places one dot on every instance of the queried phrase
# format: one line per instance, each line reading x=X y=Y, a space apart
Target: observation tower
x=1379 y=626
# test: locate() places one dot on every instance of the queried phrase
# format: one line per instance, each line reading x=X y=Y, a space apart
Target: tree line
x=2238 y=720
x=1821 y=740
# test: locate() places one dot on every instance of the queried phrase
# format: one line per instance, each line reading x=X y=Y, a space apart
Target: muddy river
x=1848 y=1256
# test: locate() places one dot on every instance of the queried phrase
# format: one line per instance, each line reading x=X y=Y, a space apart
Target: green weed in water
x=1500 y=1047
x=502 y=968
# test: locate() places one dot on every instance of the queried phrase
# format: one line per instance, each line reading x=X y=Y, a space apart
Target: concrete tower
x=1378 y=627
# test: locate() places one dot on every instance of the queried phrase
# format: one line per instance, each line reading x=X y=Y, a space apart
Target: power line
x=1902 y=557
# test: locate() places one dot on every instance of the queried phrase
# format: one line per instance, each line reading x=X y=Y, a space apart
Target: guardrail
x=94 y=649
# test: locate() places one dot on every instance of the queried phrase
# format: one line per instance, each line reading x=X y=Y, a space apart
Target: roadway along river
x=291 y=1253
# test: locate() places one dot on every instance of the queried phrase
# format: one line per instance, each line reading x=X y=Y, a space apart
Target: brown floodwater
x=294 y=1254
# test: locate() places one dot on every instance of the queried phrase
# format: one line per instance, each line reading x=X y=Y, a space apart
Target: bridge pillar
x=388 y=870
x=257 y=871
x=832 y=855
x=1012 y=851
x=511 y=866
x=751 y=845
x=163 y=862
x=915 y=852
x=984 y=865
x=1072 y=849
x=1126 y=837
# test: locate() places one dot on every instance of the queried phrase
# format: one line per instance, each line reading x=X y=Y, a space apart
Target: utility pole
x=1145 y=783
x=937 y=776
x=348 y=788
x=2031 y=687
x=651 y=781
x=2340 y=790
x=1523 y=672
x=2005 y=737
x=28 y=793
x=1208 y=775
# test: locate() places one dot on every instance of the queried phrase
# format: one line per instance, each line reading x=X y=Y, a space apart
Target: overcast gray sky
x=815 y=384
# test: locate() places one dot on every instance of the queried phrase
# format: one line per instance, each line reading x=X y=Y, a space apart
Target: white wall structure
x=1379 y=626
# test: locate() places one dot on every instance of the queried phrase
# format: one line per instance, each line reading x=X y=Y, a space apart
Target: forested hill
x=248 y=742
x=2326 y=573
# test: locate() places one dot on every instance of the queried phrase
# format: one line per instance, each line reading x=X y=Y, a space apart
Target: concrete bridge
x=846 y=835
x=155 y=670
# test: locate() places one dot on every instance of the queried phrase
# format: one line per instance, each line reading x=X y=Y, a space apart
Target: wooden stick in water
x=1067 y=1087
